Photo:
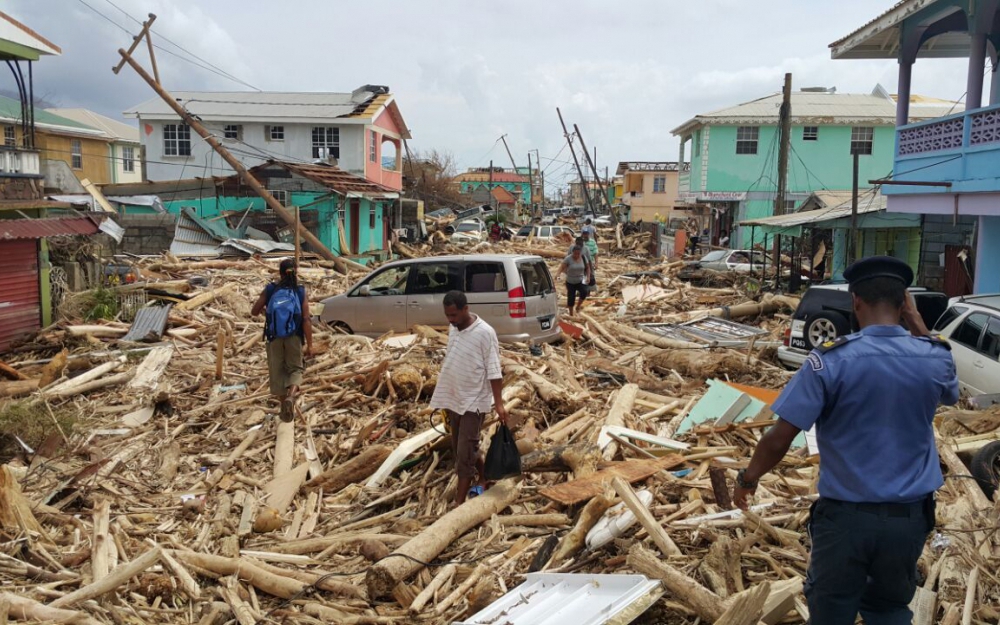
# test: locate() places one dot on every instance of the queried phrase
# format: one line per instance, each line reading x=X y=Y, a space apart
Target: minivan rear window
x=949 y=315
x=969 y=331
x=485 y=278
x=535 y=277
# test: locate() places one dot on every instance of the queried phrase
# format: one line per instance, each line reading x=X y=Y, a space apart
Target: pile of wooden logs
x=179 y=496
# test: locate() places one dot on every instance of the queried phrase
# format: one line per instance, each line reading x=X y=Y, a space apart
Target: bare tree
x=429 y=176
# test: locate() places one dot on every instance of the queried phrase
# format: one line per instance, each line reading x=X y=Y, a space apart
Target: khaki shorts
x=465 y=441
x=284 y=364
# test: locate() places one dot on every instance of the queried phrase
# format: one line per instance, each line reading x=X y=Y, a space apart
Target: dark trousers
x=573 y=291
x=864 y=559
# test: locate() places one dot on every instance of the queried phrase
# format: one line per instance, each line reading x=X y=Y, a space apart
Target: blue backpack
x=284 y=312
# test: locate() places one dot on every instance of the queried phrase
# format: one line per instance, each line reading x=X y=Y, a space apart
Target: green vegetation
x=31 y=423
x=102 y=304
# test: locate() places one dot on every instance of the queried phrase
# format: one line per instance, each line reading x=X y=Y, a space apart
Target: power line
x=165 y=51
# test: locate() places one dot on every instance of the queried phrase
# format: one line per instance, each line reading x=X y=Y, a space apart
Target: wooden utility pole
x=597 y=177
x=288 y=217
x=298 y=239
x=531 y=186
x=541 y=174
x=784 y=145
x=576 y=161
x=495 y=207
x=509 y=155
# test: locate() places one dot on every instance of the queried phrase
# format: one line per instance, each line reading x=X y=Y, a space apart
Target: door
x=969 y=361
x=355 y=217
x=486 y=287
x=957 y=276
x=428 y=284
x=20 y=294
x=986 y=365
x=384 y=308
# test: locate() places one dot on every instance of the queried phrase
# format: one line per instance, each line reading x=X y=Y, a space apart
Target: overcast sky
x=465 y=73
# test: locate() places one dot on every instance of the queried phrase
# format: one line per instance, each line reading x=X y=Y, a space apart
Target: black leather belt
x=900 y=510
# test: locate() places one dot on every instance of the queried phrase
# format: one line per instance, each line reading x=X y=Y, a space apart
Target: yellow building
x=650 y=189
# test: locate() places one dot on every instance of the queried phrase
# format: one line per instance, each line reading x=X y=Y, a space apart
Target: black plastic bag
x=502 y=459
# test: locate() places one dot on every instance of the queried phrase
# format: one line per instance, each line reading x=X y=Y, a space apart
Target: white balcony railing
x=18 y=161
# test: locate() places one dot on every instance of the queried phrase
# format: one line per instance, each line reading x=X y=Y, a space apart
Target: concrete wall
x=988 y=255
x=147 y=234
x=203 y=162
x=939 y=232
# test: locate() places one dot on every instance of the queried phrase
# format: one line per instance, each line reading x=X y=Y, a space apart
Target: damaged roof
x=651 y=166
x=333 y=178
x=47 y=227
x=880 y=37
x=270 y=106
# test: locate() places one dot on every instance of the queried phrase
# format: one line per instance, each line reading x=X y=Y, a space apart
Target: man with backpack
x=286 y=327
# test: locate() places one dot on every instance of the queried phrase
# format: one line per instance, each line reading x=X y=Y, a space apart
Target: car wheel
x=825 y=326
x=985 y=467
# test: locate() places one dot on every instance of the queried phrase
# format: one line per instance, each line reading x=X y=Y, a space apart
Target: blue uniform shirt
x=872 y=400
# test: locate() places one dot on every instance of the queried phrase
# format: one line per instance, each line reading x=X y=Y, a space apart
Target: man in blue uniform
x=872 y=397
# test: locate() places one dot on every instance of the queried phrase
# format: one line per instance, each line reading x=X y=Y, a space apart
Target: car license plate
x=798 y=343
x=546 y=324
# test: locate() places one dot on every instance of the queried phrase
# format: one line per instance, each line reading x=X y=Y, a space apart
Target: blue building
x=948 y=166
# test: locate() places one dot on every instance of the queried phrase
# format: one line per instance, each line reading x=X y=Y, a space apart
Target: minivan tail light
x=787 y=337
x=518 y=307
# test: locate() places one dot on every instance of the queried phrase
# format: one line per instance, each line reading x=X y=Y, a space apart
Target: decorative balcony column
x=977 y=61
x=903 y=92
x=994 y=81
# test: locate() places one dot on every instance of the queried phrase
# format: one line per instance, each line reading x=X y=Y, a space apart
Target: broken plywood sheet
x=639 y=292
x=575 y=491
x=151 y=368
x=721 y=400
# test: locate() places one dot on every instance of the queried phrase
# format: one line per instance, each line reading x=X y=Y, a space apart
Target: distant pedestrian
x=286 y=327
x=871 y=396
x=589 y=228
x=470 y=382
x=577 y=271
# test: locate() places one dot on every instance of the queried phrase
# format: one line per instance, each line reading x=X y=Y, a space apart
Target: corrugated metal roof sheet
x=248 y=105
x=256 y=246
x=328 y=176
x=49 y=227
x=868 y=203
x=191 y=240
x=111 y=127
x=149 y=325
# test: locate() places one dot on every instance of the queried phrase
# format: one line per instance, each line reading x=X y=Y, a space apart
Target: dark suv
x=826 y=313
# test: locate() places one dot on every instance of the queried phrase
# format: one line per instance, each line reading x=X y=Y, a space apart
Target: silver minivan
x=514 y=293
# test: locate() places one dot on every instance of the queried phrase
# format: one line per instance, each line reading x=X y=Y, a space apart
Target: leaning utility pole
x=576 y=161
x=785 y=142
x=593 y=168
x=246 y=176
x=511 y=156
x=531 y=186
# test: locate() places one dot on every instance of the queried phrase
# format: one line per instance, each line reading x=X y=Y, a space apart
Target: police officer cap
x=879 y=267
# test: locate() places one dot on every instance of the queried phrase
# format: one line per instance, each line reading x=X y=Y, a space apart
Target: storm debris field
x=151 y=481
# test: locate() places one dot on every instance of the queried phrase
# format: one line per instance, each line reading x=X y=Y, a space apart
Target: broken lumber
x=576 y=538
x=25 y=609
x=383 y=576
x=443 y=576
x=575 y=491
x=70 y=386
x=580 y=458
x=622 y=406
x=203 y=298
x=277 y=585
x=116 y=578
x=353 y=471
x=705 y=603
x=645 y=518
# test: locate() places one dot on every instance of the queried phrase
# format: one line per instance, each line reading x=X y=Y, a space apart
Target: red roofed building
x=517 y=185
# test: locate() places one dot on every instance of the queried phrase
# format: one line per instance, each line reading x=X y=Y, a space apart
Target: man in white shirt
x=470 y=382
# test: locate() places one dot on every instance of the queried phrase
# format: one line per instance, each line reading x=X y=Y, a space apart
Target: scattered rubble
x=163 y=488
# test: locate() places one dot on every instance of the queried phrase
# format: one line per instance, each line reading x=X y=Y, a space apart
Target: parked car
x=972 y=326
x=825 y=313
x=543 y=233
x=597 y=220
x=514 y=293
x=741 y=261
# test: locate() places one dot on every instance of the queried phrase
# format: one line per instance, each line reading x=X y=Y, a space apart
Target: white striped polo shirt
x=471 y=361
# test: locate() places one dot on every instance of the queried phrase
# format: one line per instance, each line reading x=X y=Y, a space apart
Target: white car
x=543 y=232
x=469 y=232
x=972 y=326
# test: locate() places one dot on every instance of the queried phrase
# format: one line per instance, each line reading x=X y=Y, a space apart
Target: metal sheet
x=47 y=227
x=710 y=330
x=149 y=325
x=20 y=293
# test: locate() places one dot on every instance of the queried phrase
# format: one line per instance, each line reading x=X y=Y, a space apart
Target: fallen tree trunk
x=581 y=459
x=623 y=405
x=19 y=388
x=701 y=364
x=652 y=339
x=277 y=585
x=203 y=298
x=645 y=382
x=383 y=576
x=25 y=609
x=355 y=470
x=84 y=378
x=556 y=397
x=116 y=578
x=747 y=309
x=576 y=538
x=703 y=601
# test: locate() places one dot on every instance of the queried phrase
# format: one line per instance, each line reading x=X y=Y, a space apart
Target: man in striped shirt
x=470 y=382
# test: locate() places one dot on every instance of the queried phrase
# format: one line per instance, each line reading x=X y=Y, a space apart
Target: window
x=746 y=139
x=436 y=278
x=991 y=339
x=128 y=159
x=391 y=281
x=810 y=133
x=659 y=184
x=790 y=205
x=176 y=140
x=535 y=278
x=949 y=315
x=373 y=148
x=234 y=131
x=969 y=331
x=485 y=278
x=326 y=142
x=279 y=194
x=9 y=137
x=862 y=138
x=371 y=216
x=76 y=153
x=274 y=133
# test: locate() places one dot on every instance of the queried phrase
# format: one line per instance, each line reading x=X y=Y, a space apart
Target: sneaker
x=287 y=409
x=476 y=491
x=536 y=350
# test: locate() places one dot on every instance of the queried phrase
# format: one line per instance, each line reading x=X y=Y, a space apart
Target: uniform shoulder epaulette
x=834 y=344
x=937 y=339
